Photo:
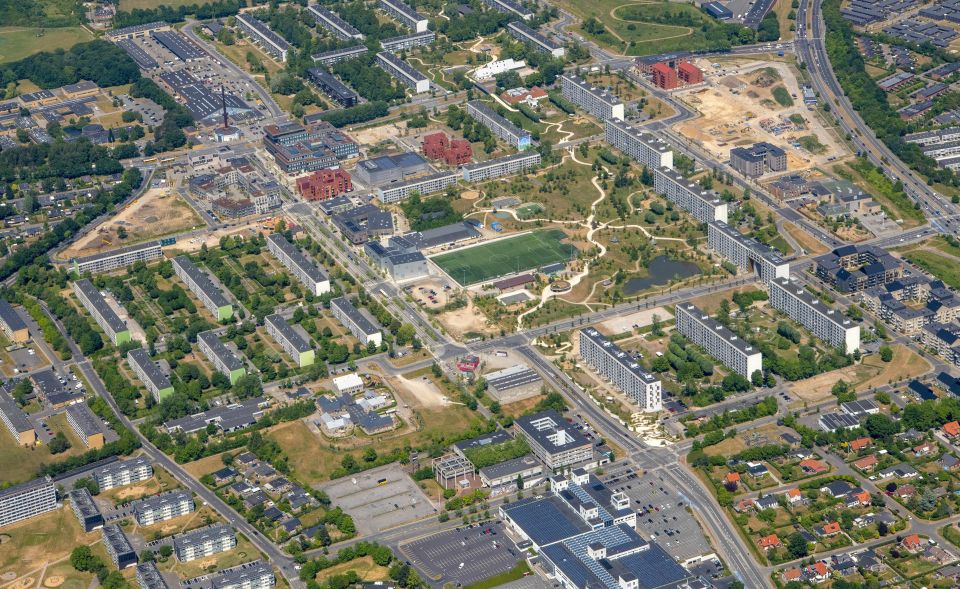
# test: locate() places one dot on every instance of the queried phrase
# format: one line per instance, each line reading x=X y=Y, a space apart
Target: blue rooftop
x=545 y=520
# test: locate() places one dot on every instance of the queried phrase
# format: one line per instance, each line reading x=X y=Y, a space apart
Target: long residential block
x=254 y=575
x=290 y=340
x=150 y=374
x=103 y=313
x=86 y=510
x=747 y=253
x=358 y=324
x=718 y=341
x=408 y=41
x=404 y=13
x=501 y=166
x=118 y=547
x=599 y=102
x=118 y=258
x=706 y=206
x=226 y=362
x=646 y=149
x=204 y=542
x=338 y=55
x=87 y=425
x=605 y=357
x=422 y=186
x=163 y=507
x=827 y=324
x=149 y=576
x=12 y=324
x=509 y=7
x=499 y=126
x=123 y=472
x=333 y=23
x=202 y=286
x=16 y=421
x=404 y=72
x=525 y=34
x=303 y=268
x=261 y=34
x=26 y=500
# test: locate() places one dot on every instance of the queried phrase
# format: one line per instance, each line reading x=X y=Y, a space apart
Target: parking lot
x=465 y=555
x=379 y=499
x=661 y=512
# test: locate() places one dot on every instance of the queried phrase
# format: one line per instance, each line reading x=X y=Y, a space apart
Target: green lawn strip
x=516 y=254
x=940 y=266
x=513 y=574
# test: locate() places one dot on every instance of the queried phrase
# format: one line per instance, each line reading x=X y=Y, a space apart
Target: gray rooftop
x=159 y=501
x=149 y=576
x=288 y=332
x=140 y=357
x=619 y=356
x=83 y=502
x=598 y=93
x=510 y=467
x=718 y=328
x=202 y=535
x=301 y=261
x=122 y=251
x=122 y=466
x=359 y=319
x=551 y=431
x=511 y=378
x=237 y=575
x=115 y=540
x=495 y=437
x=202 y=280
x=807 y=297
x=25 y=487
x=14 y=414
x=93 y=295
x=220 y=350
x=87 y=421
x=10 y=316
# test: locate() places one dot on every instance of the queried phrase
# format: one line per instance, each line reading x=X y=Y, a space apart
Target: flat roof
x=512 y=377
x=202 y=535
x=298 y=258
x=764 y=251
x=141 y=358
x=288 y=332
x=718 y=328
x=26 y=487
x=551 y=431
x=150 y=577
x=10 y=316
x=122 y=251
x=405 y=68
x=536 y=36
x=510 y=467
x=619 y=356
x=202 y=280
x=14 y=414
x=240 y=574
x=83 y=502
x=523 y=155
x=598 y=93
x=493 y=438
x=158 y=501
x=798 y=291
x=115 y=540
x=86 y=420
x=122 y=466
x=333 y=19
x=92 y=294
x=354 y=314
x=546 y=520
x=220 y=350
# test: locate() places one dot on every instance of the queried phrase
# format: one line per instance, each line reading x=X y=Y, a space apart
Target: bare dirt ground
x=158 y=212
x=213 y=239
x=738 y=109
x=640 y=318
x=380 y=133
x=873 y=372
x=422 y=389
x=53 y=581
x=464 y=320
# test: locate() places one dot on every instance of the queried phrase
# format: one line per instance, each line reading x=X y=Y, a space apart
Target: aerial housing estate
x=622 y=370
x=499 y=126
x=303 y=268
x=597 y=101
x=826 y=323
x=721 y=343
x=203 y=287
x=646 y=149
x=102 y=312
x=746 y=252
x=705 y=205
x=297 y=148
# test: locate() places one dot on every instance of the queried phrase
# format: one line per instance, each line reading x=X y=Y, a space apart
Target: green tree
x=886 y=353
x=797 y=546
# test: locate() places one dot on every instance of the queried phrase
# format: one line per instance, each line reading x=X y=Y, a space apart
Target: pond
x=661 y=270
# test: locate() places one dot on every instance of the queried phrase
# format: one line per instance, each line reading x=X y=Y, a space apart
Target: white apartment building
x=491 y=69
x=333 y=23
x=255 y=575
x=404 y=72
x=118 y=258
x=718 y=341
x=404 y=13
x=408 y=41
x=643 y=147
x=204 y=542
x=261 y=34
x=525 y=34
x=705 y=205
x=510 y=7
x=828 y=324
x=498 y=125
x=103 y=313
x=747 y=253
x=150 y=374
x=501 y=166
x=163 y=507
x=623 y=372
x=225 y=361
x=423 y=186
x=203 y=287
x=358 y=324
x=290 y=340
x=303 y=268
x=26 y=500
x=596 y=101
x=338 y=55
x=123 y=472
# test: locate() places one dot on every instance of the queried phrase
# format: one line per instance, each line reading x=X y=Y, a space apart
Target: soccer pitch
x=506 y=256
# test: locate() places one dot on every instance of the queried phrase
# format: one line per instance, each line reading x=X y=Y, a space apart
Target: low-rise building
x=253 y=575
x=12 y=324
x=87 y=425
x=204 y=542
x=86 y=510
x=554 y=441
x=16 y=421
x=162 y=507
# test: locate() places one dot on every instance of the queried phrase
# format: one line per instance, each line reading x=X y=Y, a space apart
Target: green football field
x=507 y=256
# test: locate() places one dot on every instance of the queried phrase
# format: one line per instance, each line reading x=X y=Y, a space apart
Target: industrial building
x=509 y=7
x=353 y=319
x=324 y=184
x=86 y=510
x=402 y=11
x=201 y=285
x=103 y=313
x=404 y=42
x=332 y=22
x=226 y=362
x=12 y=324
x=162 y=507
x=525 y=34
x=424 y=185
x=203 y=542
x=16 y=421
x=118 y=547
x=361 y=223
x=828 y=324
x=328 y=58
x=397 y=258
x=504 y=475
x=499 y=126
x=385 y=169
x=646 y=149
x=87 y=425
x=252 y=575
x=596 y=101
x=718 y=341
x=179 y=44
x=118 y=258
x=501 y=166
x=150 y=374
x=554 y=441
x=302 y=267
x=294 y=344
x=262 y=36
x=333 y=87
x=137 y=31
x=706 y=206
x=757 y=159
x=513 y=384
x=123 y=472
x=747 y=253
x=621 y=370
x=26 y=500
x=403 y=72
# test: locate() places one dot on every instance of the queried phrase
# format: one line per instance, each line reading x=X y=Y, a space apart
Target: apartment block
x=424 y=185
x=333 y=87
x=554 y=441
x=410 y=41
x=149 y=576
x=525 y=34
x=103 y=313
x=226 y=362
x=324 y=184
x=163 y=507
x=596 y=101
x=499 y=126
x=290 y=340
x=332 y=22
x=828 y=324
x=648 y=150
x=402 y=71
x=754 y=161
x=12 y=324
x=747 y=253
x=404 y=13
x=123 y=472
x=26 y=500
x=718 y=341
x=201 y=285
x=337 y=55
x=150 y=374
x=253 y=575
x=509 y=7
x=118 y=258
x=16 y=421
x=86 y=510
x=118 y=547
x=706 y=206
x=502 y=166
x=275 y=45
x=354 y=320
x=87 y=425
x=303 y=268
x=665 y=76
x=853 y=268
x=622 y=370
x=204 y=542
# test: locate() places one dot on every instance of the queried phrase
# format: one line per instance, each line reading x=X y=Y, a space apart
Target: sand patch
x=423 y=389
x=638 y=319
x=22 y=583
x=470 y=194
x=8 y=576
x=381 y=133
x=53 y=581
x=465 y=320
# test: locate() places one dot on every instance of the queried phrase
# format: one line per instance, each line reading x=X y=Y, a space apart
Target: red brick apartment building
x=324 y=184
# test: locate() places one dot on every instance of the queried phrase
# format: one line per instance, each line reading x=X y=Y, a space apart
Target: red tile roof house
x=912 y=542
x=816 y=572
x=905 y=491
x=952 y=429
x=862 y=498
x=860 y=444
x=732 y=478
x=866 y=463
x=830 y=529
x=794 y=496
x=811 y=466
x=771 y=541
x=792 y=575
x=923 y=449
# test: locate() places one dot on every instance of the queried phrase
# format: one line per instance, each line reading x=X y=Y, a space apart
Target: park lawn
x=18 y=464
x=506 y=256
x=782 y=96
x=243 y=552
x=206 y=465
x=19 y=42
x=517 y=572
x=42 y=539
x=364 y=566
x=63 y=576
x=810 y=244
x=942 y=267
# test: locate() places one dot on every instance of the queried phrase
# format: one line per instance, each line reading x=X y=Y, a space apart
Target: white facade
x=747 y=253
x=120 y=258
x=204 y=542
x=827 y=324
x=525 y=34
x=404 y=72
x=612 y=363
x=596 y=101
x=404 y=13
x=425 y=185
x=489 y=70
x=705 y=205
x=304 y=269
x=718 y=341
x=501 y=166
x=26 y=500
x=122 y=473
x=643 y=147
x=163 y=507
x=261 y=34
x=498 y=125
x=348 y=384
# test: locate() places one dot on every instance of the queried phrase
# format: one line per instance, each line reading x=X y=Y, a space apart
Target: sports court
x=512 y=255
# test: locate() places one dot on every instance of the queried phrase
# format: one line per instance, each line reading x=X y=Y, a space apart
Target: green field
x=507 y=256
x=19 y=42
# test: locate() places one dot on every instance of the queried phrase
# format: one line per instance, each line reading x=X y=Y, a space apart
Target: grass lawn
x=942 y=267
x=18 y=464
x=364 y=566
x=515 y=254
x=243 y=552
x=19 y=42
x=42 y=539
x=782 y=96
x=809 y=243
x=513 y=574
